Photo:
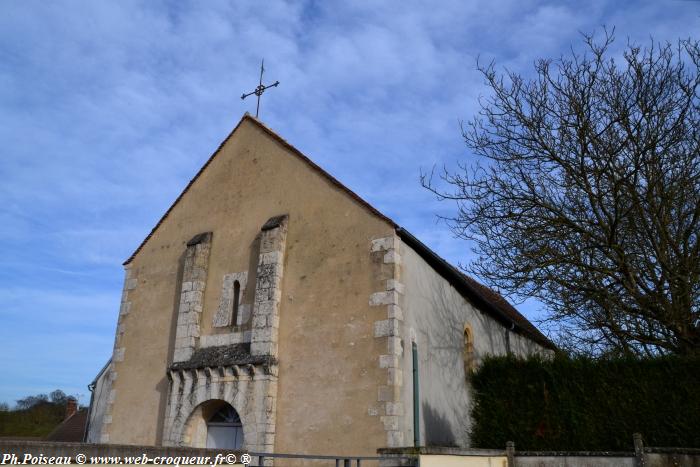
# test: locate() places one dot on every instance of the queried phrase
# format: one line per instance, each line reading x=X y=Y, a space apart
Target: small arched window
x=469 y=359
x=236 y=301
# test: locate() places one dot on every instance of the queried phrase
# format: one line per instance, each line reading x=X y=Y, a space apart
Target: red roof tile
x=71 y=429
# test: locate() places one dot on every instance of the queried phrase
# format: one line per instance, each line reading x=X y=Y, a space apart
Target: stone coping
x=440 y=450
x=454 y=451
x=222 y=356
x=667 y=450
x=574 y=453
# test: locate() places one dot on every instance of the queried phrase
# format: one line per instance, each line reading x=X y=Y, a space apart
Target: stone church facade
x=274 y=309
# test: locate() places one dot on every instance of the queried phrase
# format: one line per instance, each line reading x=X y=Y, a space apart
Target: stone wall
x=98 y=404
x=242 y=369
x=250 y=389
x=455 y=457
x=388 y=302
x=194 y=280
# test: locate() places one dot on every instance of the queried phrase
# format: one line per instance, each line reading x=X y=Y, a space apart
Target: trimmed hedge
x=581 y=404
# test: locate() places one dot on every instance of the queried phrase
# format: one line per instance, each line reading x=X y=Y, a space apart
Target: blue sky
x=107 y=109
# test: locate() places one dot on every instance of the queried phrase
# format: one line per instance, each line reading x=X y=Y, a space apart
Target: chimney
x=71 y=407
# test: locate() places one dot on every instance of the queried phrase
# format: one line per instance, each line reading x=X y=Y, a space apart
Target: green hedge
x=580 y=404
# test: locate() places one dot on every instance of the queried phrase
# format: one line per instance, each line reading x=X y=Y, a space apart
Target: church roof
x=486 y=298
x=490 y=300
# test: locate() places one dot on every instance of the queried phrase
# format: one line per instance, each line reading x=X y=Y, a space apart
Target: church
x=271 y=309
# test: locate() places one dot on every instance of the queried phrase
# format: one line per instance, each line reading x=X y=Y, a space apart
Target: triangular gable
x=284 y=143
x=492 y=302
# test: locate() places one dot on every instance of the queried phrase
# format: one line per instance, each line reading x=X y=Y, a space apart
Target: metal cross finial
x=260 y=89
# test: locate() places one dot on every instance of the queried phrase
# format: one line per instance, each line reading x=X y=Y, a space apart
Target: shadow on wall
x=163 y=385
x=437 y=429
x=445 y=390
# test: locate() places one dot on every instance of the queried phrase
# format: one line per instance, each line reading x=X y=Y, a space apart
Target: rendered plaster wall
x=99 y=405
x=328 y=355
x=435 y=315
x=577 y=461
x=462 y=461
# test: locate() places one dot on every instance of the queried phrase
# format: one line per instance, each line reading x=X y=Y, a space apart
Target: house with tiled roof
x=272 y=309
x=72 y=428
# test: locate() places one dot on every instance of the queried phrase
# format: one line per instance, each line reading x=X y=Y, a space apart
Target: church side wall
x=435 y=316
x=99 y=405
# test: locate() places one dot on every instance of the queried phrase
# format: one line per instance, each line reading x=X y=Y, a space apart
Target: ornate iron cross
x=260 y=89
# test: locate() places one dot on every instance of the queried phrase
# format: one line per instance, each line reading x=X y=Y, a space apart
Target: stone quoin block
x=393 y=284
x=391 y=422
x=395 y=312
x=390 y=297
x=386 y=328
x=383 y=244
x=394 y=439
x=394 y=346
x=394 y=408
x=394 y=377
x=392 y=257
x=118 y=355
x=385 y=394
x=388 y=361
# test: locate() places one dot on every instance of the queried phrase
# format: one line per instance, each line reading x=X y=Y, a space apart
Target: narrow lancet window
x=469 y=360
x=236 y=301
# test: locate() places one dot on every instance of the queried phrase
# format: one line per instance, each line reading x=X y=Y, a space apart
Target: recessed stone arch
x=189 y=429
x=193 y=432
x=195 y=393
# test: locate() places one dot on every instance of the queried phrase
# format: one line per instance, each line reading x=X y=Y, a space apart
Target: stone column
x=510 y=453
x=639 y=460
x=268 y=284
x=194 y=278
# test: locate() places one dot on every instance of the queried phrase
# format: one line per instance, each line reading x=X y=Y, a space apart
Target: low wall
x=395 y=457
x=442 y=457
x=575 y=459
x=668 y=457
x=52 y=452
x=454 y=457
x=460 y=461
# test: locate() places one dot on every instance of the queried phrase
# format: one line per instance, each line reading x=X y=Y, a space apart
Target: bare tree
x=587 y=196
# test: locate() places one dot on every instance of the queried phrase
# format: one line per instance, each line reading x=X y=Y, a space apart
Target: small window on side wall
x=469 y=358
x=235 y=302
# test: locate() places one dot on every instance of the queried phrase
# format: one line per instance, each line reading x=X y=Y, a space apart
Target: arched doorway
x=224 y=429
x=213 y=424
